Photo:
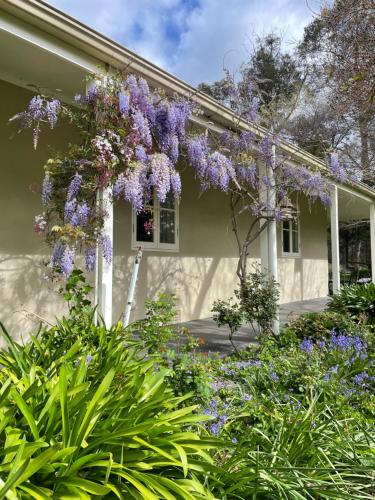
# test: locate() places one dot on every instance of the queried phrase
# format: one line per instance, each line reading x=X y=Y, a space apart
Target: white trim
x=372 y=239
x=291 y=254
x=334 y=213
x=156 y=245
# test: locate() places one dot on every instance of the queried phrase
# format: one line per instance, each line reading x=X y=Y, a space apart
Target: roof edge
x=113 y=54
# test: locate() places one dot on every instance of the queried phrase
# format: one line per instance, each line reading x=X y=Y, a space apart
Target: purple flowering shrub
x=130 y=141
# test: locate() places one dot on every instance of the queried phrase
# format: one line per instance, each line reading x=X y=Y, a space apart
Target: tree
x=270 y=75
x=341 y=47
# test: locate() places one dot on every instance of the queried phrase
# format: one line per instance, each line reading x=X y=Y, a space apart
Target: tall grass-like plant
x=95 y=425
x=356 y=300
x=300 y=455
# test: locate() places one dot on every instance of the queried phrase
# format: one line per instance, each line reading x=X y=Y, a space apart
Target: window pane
x=145 y=225
x=286 y=243
x=169 y=202
x=295 y=241
x=167 y=226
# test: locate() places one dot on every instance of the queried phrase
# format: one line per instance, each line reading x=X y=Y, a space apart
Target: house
x=42 y=48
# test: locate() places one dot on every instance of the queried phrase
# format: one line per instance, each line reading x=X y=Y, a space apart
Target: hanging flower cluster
x=131 y=140
x=233 y=163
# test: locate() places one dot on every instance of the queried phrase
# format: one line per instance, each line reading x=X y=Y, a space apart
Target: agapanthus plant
x=130 y=140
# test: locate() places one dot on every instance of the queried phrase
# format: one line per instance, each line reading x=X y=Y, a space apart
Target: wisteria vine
x=131 y=141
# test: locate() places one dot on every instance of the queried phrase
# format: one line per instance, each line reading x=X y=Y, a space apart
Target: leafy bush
x=356 y=300
x=317 y=325
x=156 y=329
x=257 y=299
x=100 y=423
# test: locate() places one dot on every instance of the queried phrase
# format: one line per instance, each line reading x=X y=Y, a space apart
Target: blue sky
x=193 y=39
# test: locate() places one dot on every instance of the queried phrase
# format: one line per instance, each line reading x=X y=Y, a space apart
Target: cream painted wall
x=202 y=271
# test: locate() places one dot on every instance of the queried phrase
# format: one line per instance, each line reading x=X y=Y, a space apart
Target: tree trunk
x=364 y=135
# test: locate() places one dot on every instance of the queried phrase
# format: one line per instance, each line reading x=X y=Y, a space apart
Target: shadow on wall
x=26 y=297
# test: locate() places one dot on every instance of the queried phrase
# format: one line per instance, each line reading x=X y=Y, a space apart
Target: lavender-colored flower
x=123 y=103
x=219 y=171
x=74 y=186
x=88 y=358
x=132 y=84
x=307 y=346
x=56 y=256
x=361 y=379
x=67 y=261
x=141 y=128
x=176 y=183
x=35 y=109
x=90 y=258
x=52 y=111
x=69 y=211
x=140 y=154
x=234 y=441
x=253 y=111
x=337 y=170
x=82 y=214
x=134 y=185
x=119 y=186
x=274 y=376
x=197 y=150
x=160 y=175
x=106 y=244
x=47 y=190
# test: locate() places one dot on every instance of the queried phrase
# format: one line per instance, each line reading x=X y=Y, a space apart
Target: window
x=156 y=227
x=290 y=237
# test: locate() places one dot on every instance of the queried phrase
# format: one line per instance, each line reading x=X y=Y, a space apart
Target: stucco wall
x=203 y=269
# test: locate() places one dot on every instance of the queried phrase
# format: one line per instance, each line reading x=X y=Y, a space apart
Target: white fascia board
x=18 y=28
x=89 y=49
x=357 y=191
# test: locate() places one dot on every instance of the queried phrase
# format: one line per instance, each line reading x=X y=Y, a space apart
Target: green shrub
x=155 y=330
x=316 y=325
x=358 y=301
x=257 y=299
x=100 y=423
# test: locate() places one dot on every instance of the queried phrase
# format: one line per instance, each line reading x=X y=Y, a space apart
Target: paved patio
x=216 y=339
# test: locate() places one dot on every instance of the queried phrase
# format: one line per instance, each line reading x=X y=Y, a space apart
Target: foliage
x=130 y=140
x=356 y=300
x=257 y=298
x=95 y=423
x=317 y=325
x=299 y=413
x=155 y=330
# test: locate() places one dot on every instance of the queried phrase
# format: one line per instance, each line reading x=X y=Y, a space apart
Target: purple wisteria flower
x=141 y=128
x=67 y=261
x=90 y=258
x=52 y=111
x=47 y=190
x=160 y=177
x=74 y=186
x=69 y=211
x=123 y=103
x=176 y=183
x=337 y=170
x=106 y=244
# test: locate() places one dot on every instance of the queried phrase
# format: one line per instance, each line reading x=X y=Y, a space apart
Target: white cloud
x=191 y=38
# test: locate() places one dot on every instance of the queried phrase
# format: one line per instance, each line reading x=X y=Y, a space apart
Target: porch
x=216 y=339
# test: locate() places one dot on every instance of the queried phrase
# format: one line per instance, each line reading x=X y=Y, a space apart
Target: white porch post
x=263 y=196
x=335 y=240
x=372 y=239
x=104 y=271
x=272 y=235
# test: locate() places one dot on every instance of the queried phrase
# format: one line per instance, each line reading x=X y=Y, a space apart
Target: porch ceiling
x=352 y=206
x=34 y=67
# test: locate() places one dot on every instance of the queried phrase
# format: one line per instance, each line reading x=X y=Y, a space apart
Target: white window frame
x=290 y=231
x=156 y=245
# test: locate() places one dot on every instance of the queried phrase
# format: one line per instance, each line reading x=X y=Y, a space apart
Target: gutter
x=112 y=54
